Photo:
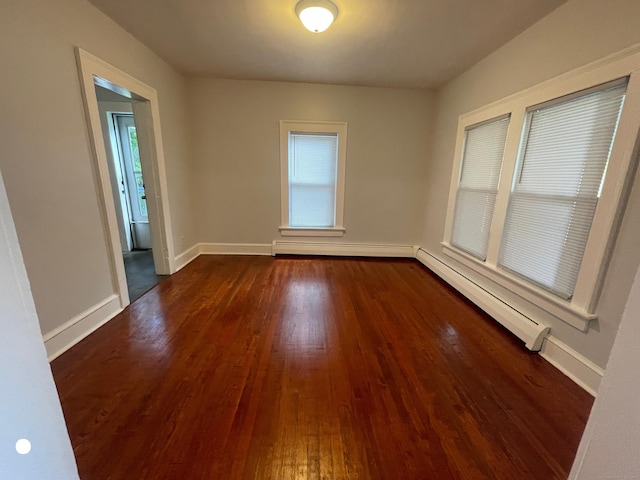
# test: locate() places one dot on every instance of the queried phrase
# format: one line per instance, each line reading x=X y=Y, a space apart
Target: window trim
x=581 y=308
x=321 y=128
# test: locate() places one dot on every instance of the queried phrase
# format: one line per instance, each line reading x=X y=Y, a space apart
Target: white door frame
x=94 y=71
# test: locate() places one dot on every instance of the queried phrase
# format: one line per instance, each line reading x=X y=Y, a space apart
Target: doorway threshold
x=141 y=275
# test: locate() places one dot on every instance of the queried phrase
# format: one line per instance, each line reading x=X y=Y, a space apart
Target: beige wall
x=46 y=159
x=576 y=33
x=29 y=401
x=237 y=166
x=609 y=445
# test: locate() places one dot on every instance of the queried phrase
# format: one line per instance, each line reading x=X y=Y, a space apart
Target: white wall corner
x=609 y=445
x=235 y=248
x=343 y=249
x=575 y=366
x=186 y=257
x=531 y=332
x=68 y=334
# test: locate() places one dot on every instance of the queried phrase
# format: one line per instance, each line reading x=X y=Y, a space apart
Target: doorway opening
x=124 y=127
x=138 y=255
x=128 y=187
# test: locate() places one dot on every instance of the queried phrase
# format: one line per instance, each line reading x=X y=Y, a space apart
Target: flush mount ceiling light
x=316 y=15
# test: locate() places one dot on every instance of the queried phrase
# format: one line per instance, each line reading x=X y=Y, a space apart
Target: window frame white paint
x=320 y=128
x=581 y=308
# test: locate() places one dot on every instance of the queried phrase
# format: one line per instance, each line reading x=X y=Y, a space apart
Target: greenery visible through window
x=137 y=169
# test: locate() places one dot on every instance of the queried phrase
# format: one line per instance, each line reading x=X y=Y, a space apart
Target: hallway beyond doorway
x=141 y=275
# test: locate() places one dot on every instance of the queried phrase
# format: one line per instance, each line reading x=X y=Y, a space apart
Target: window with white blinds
x=478 y=186
x=312 y=171
x=537 y=187
x=313 y=167
x=555 y=193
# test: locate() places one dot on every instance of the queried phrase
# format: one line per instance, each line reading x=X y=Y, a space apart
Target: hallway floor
x=141 y=275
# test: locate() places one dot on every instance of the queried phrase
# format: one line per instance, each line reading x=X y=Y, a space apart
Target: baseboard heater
x=342 y=249
x=529 y=331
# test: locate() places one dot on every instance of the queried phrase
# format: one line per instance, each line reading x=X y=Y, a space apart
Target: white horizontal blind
x=312 y=180
x=478 y=187
x=556 y=190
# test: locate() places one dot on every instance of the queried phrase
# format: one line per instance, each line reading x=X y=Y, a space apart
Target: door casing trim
x=92 y=71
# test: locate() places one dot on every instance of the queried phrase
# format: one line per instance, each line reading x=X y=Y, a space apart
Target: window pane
x=135 y=153
x=472 y=221
x=137 y=170
x=544 y=236
x=557 y=187
x=479 y=179
x=483 y=151
x=312 y=180
x=312 y=206
x=568 y=145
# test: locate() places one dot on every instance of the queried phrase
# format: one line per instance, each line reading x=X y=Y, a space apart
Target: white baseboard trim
x=342 y=249
x=198 y=249
x=295 y=248
x=187 y=257
x=523 y=327
x=575 y=366
x=235 y=248
x=68 y=334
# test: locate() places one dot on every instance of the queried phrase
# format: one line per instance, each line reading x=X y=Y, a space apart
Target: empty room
x=319 y=239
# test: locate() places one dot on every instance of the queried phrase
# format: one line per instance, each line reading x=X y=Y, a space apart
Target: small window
x=313 y=159
x=313 y=169
x=478 y=187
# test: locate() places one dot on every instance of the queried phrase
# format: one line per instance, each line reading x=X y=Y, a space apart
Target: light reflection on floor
x=151 y=338
x=305 y=315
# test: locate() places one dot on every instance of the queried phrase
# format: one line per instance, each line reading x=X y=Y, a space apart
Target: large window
x=478 y=186
x=557 y=187
x=312 y=164
x=537 y=184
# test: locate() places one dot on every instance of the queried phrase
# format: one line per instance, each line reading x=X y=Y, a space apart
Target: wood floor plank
x=313 y=368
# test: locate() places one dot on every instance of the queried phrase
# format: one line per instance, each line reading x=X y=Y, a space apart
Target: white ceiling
x=394 y=43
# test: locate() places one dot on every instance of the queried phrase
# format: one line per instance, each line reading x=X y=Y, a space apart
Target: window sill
x=559 y=308
x=312 y=232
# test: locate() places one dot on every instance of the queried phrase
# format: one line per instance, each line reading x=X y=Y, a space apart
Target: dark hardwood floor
x=323 y=368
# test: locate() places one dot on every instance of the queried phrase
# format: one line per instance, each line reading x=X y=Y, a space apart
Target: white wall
x=576 y=33
x=609 y=446
x=237 y=166
x=29 y=402
x=45 y=150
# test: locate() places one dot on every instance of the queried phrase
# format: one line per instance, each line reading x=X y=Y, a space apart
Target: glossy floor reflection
x=325 y=368
x=307 y=311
